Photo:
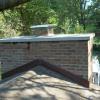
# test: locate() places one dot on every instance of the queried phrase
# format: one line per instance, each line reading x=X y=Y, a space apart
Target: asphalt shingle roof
x=43 y=84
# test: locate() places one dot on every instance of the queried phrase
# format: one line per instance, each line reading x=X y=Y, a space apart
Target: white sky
x=89 y=2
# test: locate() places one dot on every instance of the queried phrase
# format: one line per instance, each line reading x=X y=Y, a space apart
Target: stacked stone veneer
x=47 y=29
x=72 y=55
x=43 y=31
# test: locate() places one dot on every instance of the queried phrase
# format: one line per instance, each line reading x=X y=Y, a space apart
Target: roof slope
x=43 y=84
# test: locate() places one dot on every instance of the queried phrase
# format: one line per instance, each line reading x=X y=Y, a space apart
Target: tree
x=20 y=18
x=93 y=20
x=71 y=16
x=71 y=13
x=6 y=4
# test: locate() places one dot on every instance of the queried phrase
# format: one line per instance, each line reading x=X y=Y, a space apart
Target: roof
x=43 y=84
x=60 y=37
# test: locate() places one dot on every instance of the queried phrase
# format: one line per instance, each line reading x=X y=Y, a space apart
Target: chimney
x=47 y=29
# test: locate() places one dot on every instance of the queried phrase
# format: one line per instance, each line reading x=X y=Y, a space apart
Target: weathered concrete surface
x=43 y=84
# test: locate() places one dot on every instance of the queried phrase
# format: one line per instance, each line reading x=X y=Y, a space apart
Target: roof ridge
x=41 y=62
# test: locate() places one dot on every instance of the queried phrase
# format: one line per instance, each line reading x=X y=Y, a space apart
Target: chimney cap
x=43 y=26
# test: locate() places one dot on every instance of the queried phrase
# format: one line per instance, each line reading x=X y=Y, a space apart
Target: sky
x=89 y=2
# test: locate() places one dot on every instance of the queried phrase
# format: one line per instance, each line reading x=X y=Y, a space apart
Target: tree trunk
x=6 y=4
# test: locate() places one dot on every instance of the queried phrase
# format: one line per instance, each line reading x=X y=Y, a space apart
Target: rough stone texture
x=43 y=31
x=70 y=55
x=43 y=84
x=90 y=46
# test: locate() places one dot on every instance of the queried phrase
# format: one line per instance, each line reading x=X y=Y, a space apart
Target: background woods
x=71 y=16
x=6 y=4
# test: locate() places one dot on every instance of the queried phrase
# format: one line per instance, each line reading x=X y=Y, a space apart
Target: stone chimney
x=47 y=29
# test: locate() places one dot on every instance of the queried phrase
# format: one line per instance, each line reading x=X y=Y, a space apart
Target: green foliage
x=79 y=28
x=67 y=11
x=8 y=24
x=97 y=40
x=93 y=22
x=96 y=45
x=18 y=20
x=90 y=28
x=71 y=16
